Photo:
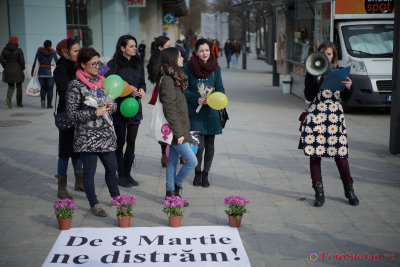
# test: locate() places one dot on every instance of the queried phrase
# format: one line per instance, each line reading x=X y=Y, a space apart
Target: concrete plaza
x=256 y=157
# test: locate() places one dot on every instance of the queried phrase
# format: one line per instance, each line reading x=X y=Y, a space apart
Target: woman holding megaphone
x=323 y=132
x=203 y=71
x=126 y=63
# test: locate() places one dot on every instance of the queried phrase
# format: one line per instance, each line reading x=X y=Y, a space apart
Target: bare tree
x=191 y=24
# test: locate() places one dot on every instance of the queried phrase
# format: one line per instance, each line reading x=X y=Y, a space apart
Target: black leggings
x=126 y=133
x=341 y=163
x=207 y=145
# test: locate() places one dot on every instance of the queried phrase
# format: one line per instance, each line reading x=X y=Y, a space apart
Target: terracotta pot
x=64 y=224
x=175 y=221
x=233 y=222
x=125 y=221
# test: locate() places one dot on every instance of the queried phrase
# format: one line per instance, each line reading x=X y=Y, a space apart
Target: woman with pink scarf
x=94 y=132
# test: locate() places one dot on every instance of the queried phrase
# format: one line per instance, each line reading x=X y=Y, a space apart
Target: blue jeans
x=46 y=89
x=109 y=161
x=228 y=58
x=235 y=60
x=62 y=165
x=191 y=162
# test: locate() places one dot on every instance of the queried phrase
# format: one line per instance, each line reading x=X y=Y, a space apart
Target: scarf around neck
x=92 y=82
x=200 y=68
x=178 y=81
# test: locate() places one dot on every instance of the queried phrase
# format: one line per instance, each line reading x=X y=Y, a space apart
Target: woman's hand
x=135 y=91
x=180 y=140
x=102 y=110
x=109 y=105
x=202 y=101
x=347 y=83
x=141 y=93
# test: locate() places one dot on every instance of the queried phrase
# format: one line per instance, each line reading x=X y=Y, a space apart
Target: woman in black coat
x=159 y=44
x=127 y=64
x=13 y=62
x=64 y=72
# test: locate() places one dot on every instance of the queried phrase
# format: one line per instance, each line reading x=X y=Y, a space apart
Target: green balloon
x=113 y=85
x=129 y=107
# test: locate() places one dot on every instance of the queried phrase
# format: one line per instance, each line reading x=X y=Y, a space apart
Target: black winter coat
x=63 y=74
x=132 y=76
x=13 y=62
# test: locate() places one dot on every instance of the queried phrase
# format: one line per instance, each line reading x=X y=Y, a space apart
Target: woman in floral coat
x=324 y=131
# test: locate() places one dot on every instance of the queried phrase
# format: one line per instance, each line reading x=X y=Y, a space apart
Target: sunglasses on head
x=95 y=64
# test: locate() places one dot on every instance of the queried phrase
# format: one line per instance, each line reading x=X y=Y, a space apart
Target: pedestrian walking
x=159 y=44
x=215 y=49
x=64 y=72
x=46 y=58
x=172 y=83
x=13 y=62
x=324 y=132
x=202 y=66
x=94 y=134
x=236 y=53
x=127 y=64
x=228 y=49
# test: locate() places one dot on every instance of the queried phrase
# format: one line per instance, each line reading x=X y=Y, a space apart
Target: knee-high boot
x=122 y=179
x=319 y=194
x=349 y=192
x=128 y=162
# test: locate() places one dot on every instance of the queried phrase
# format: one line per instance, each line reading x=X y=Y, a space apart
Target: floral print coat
x=92 y=133
x=324 y=132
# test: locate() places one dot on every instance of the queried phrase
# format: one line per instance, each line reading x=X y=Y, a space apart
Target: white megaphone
x=317 y=63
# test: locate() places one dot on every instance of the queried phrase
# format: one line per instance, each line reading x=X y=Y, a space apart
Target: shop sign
x=136 y=3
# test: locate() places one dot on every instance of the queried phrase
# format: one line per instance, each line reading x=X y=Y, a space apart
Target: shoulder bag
x=61 y=119
x=223 y=114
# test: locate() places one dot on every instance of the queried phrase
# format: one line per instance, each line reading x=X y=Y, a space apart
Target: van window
x=366 y=41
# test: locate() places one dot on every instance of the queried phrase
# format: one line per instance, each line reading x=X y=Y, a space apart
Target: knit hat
x=13 y=40
x=61 y=48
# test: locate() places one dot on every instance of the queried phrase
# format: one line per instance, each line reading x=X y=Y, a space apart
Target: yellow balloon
x=217 y=101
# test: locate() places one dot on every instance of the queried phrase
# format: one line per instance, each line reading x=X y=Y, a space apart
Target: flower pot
x=124 y=221
x=64 y=224
x=175 y=221
x=233 y=222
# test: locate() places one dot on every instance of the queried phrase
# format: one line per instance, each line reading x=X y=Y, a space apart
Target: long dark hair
x=169 y=56
x=160 y=41
x=118 y=55
x=85 y=54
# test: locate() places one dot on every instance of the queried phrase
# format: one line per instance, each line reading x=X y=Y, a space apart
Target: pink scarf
x=84 y=77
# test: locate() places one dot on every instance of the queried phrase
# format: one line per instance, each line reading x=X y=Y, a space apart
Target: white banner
x=188 y=246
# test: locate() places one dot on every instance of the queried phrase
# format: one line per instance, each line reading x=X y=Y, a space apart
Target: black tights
x=341 y=163
x=207 y=145
x=126 y=133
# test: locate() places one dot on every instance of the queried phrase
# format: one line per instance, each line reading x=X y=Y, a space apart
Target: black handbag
x=61 y=119
x=223 y=116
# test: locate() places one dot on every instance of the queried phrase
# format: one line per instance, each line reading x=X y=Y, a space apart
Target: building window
x=84 y=22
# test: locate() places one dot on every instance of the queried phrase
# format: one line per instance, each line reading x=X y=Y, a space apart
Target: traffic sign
x=169 y=18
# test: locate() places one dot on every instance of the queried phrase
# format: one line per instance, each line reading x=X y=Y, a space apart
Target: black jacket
x=63 y=74
x=13 y=62
x=312 y=84
x=132 y=76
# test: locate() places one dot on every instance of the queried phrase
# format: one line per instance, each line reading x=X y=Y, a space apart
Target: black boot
x=169 y=194
x=122 y=179
x=319 y=194
x=197 y=178
x=78 y=180
x=204 y=176
x=178 y=190
x=128 y=162
x=349 y=192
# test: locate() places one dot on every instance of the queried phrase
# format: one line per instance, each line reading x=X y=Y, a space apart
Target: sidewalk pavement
x=256 y=157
